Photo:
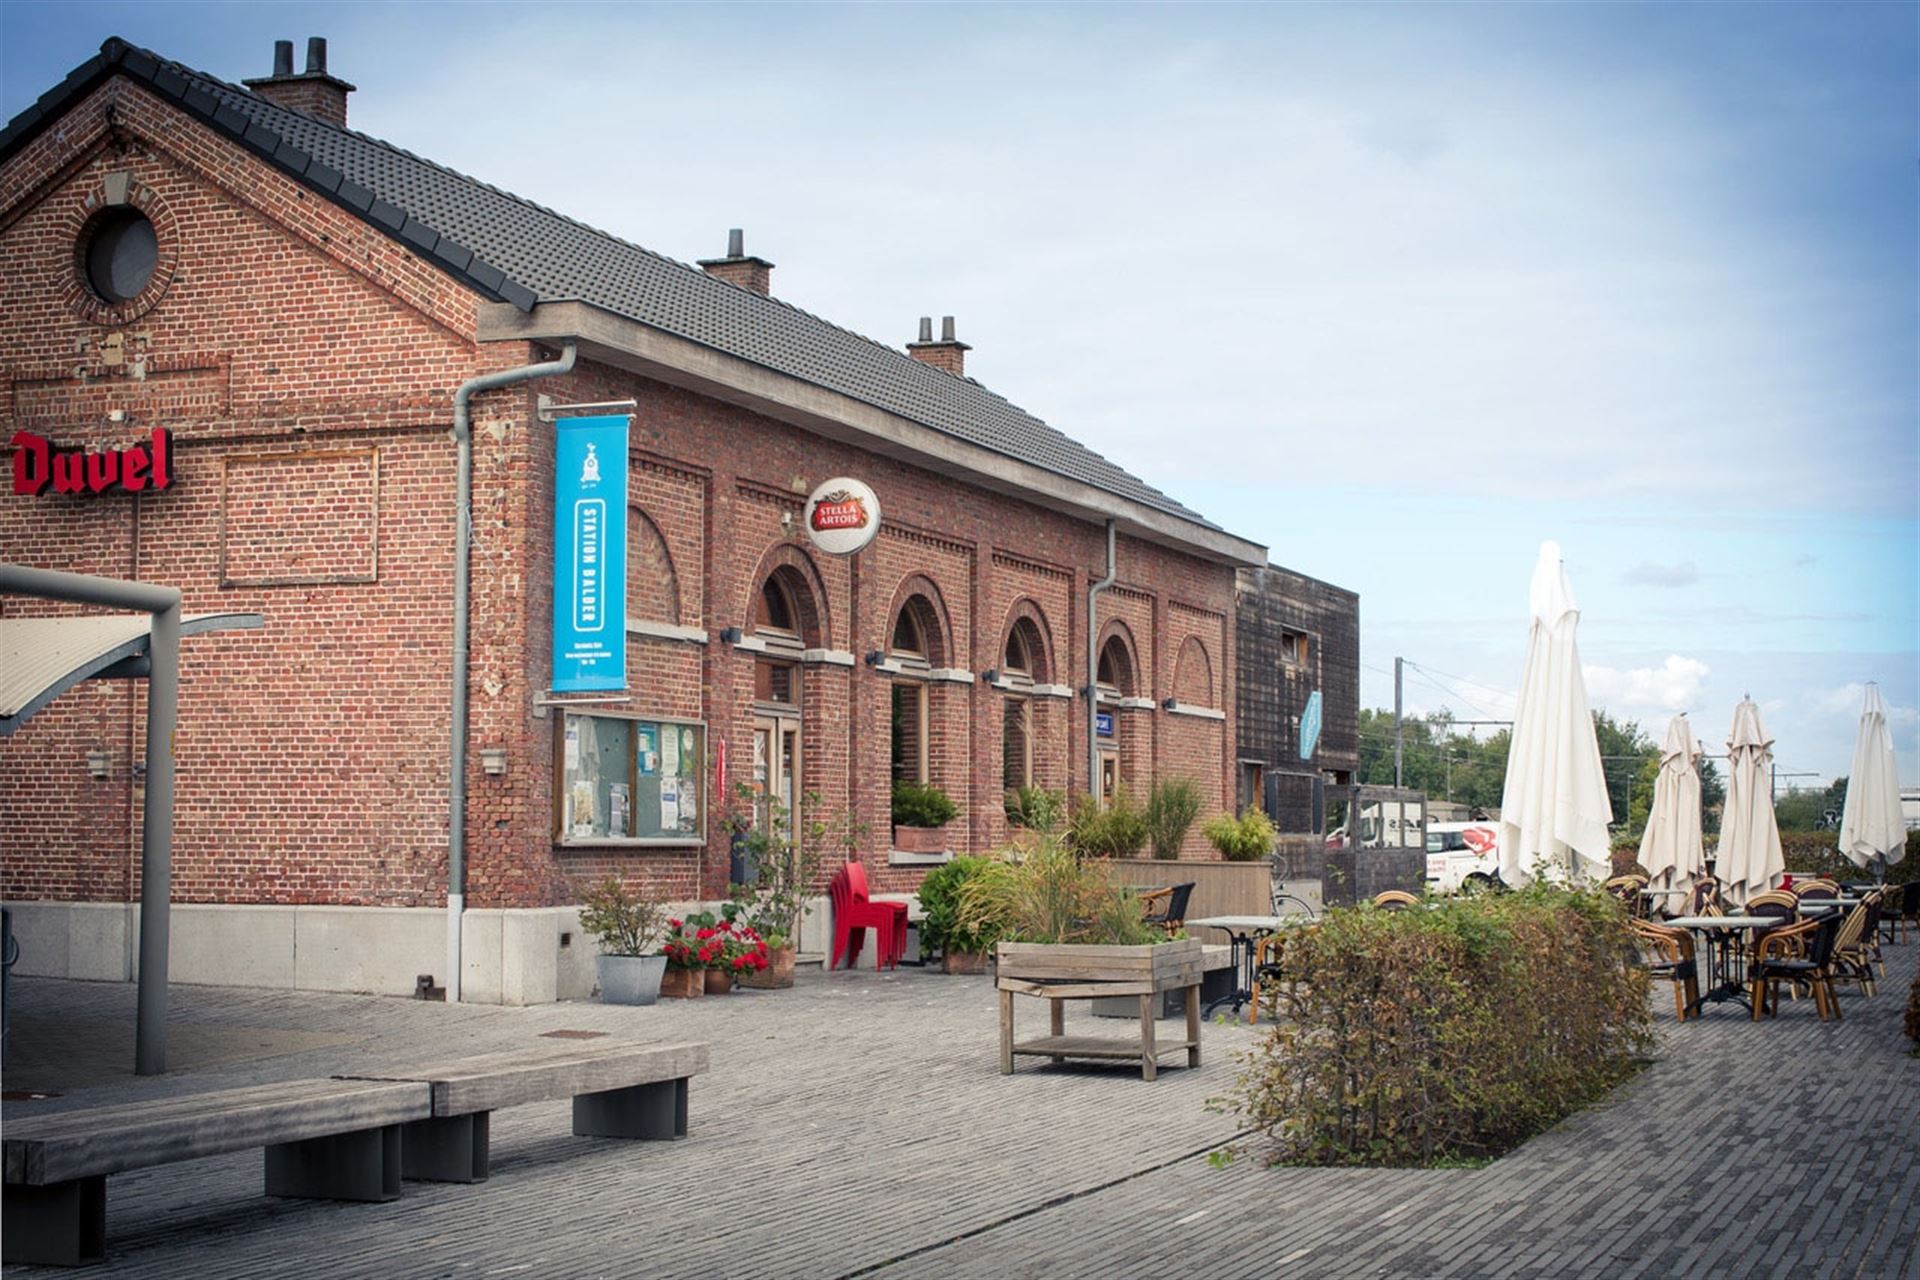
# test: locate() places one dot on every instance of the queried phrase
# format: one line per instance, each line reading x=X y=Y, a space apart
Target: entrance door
x=776 y=766
x=1109 y=775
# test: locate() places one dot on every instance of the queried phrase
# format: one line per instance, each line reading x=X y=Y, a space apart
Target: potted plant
x=1246 y=839
x=782 y=873
x=963 y=948
x=687 y=956
x=628 y=927
x=921 y=812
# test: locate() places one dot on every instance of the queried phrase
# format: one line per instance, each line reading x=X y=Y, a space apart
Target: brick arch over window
x=1026 y=621
x=653 y=588
x=791 y=568
x=1193 y=675
x=1118 y=666
x=920 y=600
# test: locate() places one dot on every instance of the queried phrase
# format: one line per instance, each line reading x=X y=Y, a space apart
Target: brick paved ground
x=1789 y=1147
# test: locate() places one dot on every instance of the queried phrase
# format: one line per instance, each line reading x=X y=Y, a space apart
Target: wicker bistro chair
x=1702 y=899
x=1900 y=911
x=1267 y=955
x=1815 y=889
x=1781 y=906
x=1854 y=949
x=1668 y=953
x=1395 y=900
x=1627 y=888
x=1167 y=907
x=1777 y=962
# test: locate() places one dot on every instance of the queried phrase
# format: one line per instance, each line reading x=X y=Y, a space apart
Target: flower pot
x=629 y=979
x=964 y=961
x=776 y=976
x=920 y=839
x=718 y=982
x=683 y=984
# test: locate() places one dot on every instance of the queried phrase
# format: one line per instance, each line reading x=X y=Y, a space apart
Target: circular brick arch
x=1027 y=616
x=918 y=593
x=1117 y=639
x=653 y=586
x=797 y=572
x=75 y=221
x=1193 y=674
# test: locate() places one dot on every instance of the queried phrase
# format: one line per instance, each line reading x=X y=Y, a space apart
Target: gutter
x=462 y=554
x=1093 y=671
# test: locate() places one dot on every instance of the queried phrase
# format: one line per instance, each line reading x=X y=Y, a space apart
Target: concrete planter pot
x=629 y=979
x=920 y=839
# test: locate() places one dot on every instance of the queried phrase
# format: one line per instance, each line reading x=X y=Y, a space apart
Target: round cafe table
x=1716 y=933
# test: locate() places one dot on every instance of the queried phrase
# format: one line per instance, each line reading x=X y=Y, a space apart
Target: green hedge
x=1416 y=1037
x=1816 y=851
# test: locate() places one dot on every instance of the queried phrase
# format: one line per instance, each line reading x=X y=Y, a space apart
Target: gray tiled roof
x=514 y=250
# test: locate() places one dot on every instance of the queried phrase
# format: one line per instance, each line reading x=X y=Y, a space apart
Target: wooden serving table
x=1074 y=971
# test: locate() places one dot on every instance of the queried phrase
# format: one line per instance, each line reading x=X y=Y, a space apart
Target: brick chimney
x=738 y=269
x=949 y=353
x=313 y=92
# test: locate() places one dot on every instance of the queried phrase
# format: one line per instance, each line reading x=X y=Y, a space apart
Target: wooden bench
x=619 y=1090
x=325 y=1139
x=347 y=1138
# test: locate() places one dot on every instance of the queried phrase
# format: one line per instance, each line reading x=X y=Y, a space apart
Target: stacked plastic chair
x=854 y=913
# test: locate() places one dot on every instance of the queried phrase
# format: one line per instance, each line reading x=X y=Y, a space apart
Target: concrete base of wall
x=514 y=957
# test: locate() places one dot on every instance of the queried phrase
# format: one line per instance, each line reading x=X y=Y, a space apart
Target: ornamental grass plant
x=1172 y=807
x=1051 y=894
x=1434 y=1036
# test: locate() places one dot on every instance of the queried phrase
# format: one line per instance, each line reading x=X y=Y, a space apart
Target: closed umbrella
x=1670 y=847
x=1872 y=826
x=1749 y=860
x=1554 y=811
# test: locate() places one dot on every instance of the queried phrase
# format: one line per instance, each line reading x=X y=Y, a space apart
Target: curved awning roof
x=41 y=658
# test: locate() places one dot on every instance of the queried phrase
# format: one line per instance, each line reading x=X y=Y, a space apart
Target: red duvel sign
x=38 y=466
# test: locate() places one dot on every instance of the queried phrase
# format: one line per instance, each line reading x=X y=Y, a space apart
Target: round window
x=120 y=254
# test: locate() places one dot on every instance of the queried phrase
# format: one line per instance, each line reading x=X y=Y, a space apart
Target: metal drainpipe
x=1093 y=672
x=463 y=547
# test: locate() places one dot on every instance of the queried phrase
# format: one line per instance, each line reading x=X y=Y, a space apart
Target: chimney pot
x=283 y=57
x=949 y=354
x=316 y=55
x=926 y=328
x=752 y=274
x=946 y=329
x=736 y=243
x=313 y=92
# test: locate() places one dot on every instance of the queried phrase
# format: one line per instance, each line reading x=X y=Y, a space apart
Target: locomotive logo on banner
x=842 y=516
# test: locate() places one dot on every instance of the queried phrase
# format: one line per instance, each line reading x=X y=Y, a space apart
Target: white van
x=1463 y=855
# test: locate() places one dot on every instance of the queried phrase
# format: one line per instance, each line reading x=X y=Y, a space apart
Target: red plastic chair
x=854 y=913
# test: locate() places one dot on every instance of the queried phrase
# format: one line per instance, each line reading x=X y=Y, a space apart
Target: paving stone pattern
x=1780 y=1148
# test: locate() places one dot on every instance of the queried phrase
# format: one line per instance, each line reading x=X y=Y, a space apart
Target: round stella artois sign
x=842 y=516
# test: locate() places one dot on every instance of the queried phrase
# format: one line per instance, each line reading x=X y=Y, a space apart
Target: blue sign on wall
x=1103 y=723
x=590 y=554
x=1310 y=726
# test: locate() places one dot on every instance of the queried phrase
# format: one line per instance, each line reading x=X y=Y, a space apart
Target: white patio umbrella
x=1554 y=811
x=1670 y=847
x=1872 y=828
x=1749 y=860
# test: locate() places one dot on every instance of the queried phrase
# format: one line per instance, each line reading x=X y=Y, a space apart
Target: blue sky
x=1401 y=291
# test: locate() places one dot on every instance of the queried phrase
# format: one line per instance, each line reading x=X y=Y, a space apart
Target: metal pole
x=156 y=843
x=1397 y=739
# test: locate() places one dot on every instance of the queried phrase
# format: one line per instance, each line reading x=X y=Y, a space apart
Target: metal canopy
x=42 y=658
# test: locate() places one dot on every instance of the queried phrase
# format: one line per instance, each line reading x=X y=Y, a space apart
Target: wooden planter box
x=920 y=839
x=1058 y=973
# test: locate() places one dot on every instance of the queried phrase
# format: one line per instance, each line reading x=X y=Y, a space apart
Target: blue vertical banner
x=590 y=554
x=1310 y=726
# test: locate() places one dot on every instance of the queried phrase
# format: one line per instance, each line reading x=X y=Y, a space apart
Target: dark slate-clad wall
x=1273 y=690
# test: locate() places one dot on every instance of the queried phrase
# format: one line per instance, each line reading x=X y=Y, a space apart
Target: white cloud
x=1649 y=574
x=1847 y=701
x=1674 y=685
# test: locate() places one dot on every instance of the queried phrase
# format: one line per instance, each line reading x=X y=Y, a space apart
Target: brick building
x=295 y=306
x=1297 y=648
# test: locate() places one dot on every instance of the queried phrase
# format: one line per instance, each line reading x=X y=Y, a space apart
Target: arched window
x=775 y=610
x=917 y=642
x=1193 y=675
x=1115 y=672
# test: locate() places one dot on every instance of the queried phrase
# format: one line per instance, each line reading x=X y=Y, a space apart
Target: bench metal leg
x=63 y=1225
x=363 y=1165
x=656 y=1111
x=445 y=1148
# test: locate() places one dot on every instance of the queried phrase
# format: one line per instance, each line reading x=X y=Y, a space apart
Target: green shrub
x=1246 y=839
x=921 y=804
x=940 y=899
x=1172 y=806
x=1117 y=831
x=1052 y=894
x=1436 y=1036
x=1818 y=853
x=623 y=922
x=1035 y=808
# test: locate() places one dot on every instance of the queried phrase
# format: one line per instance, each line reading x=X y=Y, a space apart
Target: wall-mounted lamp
x=1169 y=704
x=99 y=765
x=730 y=635
x=875 y=657
x=493 y=760
x=786 y=523
x=990 y=677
